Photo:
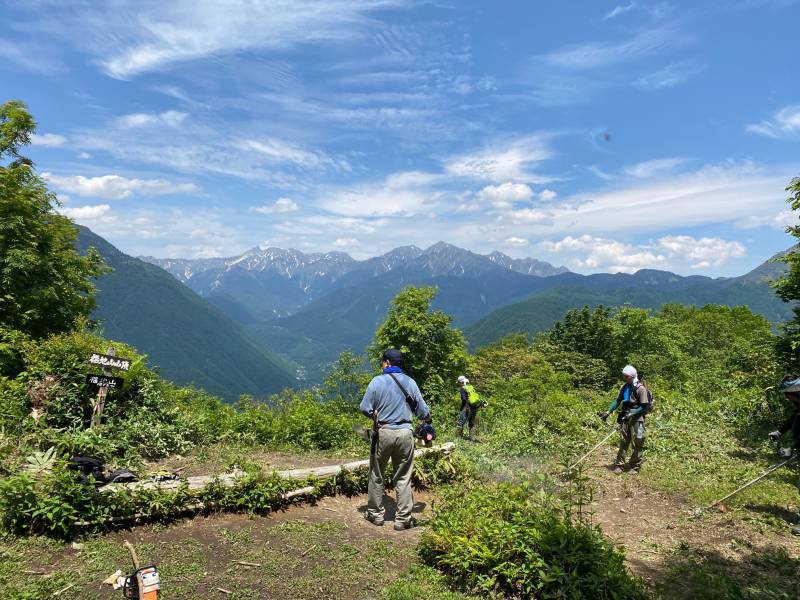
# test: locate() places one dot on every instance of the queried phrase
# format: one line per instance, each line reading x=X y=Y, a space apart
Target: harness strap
x=412 y=403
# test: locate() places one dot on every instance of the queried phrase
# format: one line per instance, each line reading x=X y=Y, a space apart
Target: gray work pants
x=397 y=445
x=632 y=431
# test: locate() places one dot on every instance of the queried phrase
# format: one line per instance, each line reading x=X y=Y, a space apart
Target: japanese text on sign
x=110 y=362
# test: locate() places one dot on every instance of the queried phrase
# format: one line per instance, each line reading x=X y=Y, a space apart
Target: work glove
x=786 y=452
x=603 y=414
x=774 y=435
x=625 y=416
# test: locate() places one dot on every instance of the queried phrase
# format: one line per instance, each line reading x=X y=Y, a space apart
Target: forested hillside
x=542 y=310
x=190 y=341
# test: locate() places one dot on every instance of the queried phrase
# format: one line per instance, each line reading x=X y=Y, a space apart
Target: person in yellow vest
x=470 y=402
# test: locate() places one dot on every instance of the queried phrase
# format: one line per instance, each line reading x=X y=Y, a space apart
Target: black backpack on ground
x=88 y=468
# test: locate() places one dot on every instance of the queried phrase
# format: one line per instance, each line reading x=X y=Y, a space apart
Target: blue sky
x=605 y=136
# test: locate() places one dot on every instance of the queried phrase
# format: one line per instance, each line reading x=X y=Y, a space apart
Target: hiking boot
x=403 y=525
x=373 y=519
x=796 y=530
x=635 y=468
x=617 y=470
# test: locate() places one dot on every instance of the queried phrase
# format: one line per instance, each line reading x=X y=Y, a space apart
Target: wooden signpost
x=106 y=381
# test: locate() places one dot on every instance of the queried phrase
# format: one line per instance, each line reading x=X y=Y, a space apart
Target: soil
x=328 y=550
x=658 y=528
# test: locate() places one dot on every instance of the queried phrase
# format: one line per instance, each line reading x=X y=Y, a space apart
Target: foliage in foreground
x=59 y=504
x=788 y=287
x=518 y=541
x=46 y=284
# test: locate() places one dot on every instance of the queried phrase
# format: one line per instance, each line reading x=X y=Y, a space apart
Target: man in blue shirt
x=392 y=400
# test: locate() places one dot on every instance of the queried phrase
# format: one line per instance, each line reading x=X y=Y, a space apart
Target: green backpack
x=474 y=398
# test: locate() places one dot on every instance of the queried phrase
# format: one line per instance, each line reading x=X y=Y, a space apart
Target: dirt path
x=663 y=538
x=327 y=550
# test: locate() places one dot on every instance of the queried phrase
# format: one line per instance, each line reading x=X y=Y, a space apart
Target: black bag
x=122 y=476
x=88 y=467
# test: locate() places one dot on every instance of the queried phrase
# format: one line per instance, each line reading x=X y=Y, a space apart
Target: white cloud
x=619 y=10
x=504 y=161
x=594 y=55
x=84 y=155
x=85 y=213
x=649 y=168
x=670 y=76
x=516 y=241
x=504 y=195
x=722 y=193
x=116 y=187
x=150 y=35
x=701 y=253
x=50 y=140
x=346 y=242
x=785 y=123
x=547 y=195
x=777 y=220
x=170 y=118
x=528 y=216
x=597 y=253
x=605 y=254
x=401 y=194
x=278 y=151
x=281 y=205
x=656 y=11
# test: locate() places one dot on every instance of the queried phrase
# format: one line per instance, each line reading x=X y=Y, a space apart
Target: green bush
x=517 y=541
x=54 y=503
x=299 y=420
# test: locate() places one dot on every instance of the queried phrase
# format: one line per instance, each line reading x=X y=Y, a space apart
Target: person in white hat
x=470 y=402
x=634 y=399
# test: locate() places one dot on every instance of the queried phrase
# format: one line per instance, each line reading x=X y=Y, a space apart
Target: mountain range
x=272 y=318
x=267 y=283
x=313 y=306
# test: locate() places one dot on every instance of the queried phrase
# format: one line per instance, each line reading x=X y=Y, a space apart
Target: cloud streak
x=130 y=40
x=116 y=187
x=784 y=124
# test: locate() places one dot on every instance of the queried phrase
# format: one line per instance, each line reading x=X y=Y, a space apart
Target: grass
x=741 y=573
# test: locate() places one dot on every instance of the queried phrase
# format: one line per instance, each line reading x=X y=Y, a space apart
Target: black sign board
x=105 y=381
x=110 y=362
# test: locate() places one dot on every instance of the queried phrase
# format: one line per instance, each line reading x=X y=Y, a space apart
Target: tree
x=346 y=378
x=788 y=287
x=45 y=285
x=435 y=353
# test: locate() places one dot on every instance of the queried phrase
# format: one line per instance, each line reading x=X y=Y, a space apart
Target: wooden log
x=186 y=509
x=230 y=479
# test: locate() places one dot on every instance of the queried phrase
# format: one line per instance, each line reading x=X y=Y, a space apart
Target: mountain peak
x=441 y=246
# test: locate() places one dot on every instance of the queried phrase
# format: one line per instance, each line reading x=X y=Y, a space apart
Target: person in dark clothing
x=635 y=402
x=468 y=413
x=790 y=386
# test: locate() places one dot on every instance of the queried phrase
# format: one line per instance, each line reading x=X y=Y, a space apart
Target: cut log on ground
x=230 y=479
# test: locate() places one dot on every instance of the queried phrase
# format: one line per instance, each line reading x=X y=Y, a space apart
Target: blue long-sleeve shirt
x=636 y=405
x=384 y=396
